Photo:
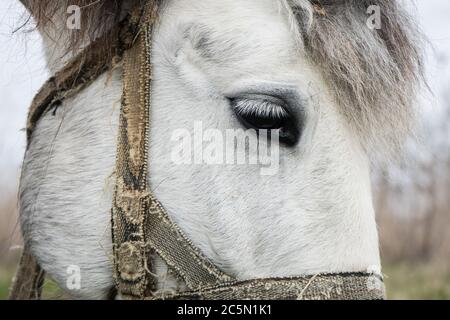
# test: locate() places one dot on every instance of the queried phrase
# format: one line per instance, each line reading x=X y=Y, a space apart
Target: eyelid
x=256 y=96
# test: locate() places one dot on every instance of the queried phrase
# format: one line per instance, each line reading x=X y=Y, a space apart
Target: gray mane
x=374 y=74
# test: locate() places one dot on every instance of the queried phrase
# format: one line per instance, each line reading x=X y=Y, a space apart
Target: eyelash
x=259 y=108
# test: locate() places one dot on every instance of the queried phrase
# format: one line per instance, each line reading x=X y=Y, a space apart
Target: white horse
x=344 y=88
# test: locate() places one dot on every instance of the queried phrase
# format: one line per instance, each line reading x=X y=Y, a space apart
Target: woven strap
x=342 y=286
x=131 y=254
x=179 y=253
x=29 y=279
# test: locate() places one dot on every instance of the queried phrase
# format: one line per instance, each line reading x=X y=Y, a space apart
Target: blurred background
x=412 y=199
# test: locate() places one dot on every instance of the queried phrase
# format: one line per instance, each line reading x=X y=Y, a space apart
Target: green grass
x=417 y=282
x=5 y=279
x=51 y=290
x=402 y=282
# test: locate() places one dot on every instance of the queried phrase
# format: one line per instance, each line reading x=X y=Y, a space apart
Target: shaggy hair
x=97 y=17
x=374 y=74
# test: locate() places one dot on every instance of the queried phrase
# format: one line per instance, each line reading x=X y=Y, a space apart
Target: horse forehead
x=232 y=28
x=225 y=9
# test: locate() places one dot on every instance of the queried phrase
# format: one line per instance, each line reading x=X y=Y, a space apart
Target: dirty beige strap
x=342 y=286
x=29 y=279
x=179 y=253
x=132 y=267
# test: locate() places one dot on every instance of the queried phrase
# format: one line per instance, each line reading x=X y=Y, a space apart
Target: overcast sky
x=22 y=71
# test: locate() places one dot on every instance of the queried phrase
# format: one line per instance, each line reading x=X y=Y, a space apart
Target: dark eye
x=258 y=112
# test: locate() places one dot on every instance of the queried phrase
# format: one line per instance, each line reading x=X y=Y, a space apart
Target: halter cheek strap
x=141 y=227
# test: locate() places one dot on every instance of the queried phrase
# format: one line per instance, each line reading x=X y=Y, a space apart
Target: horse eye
x=266 y=112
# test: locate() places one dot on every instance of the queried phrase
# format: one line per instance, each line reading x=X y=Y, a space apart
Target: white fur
x=315 y=215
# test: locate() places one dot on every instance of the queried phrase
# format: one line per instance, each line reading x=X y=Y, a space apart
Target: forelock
x=374 y=74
